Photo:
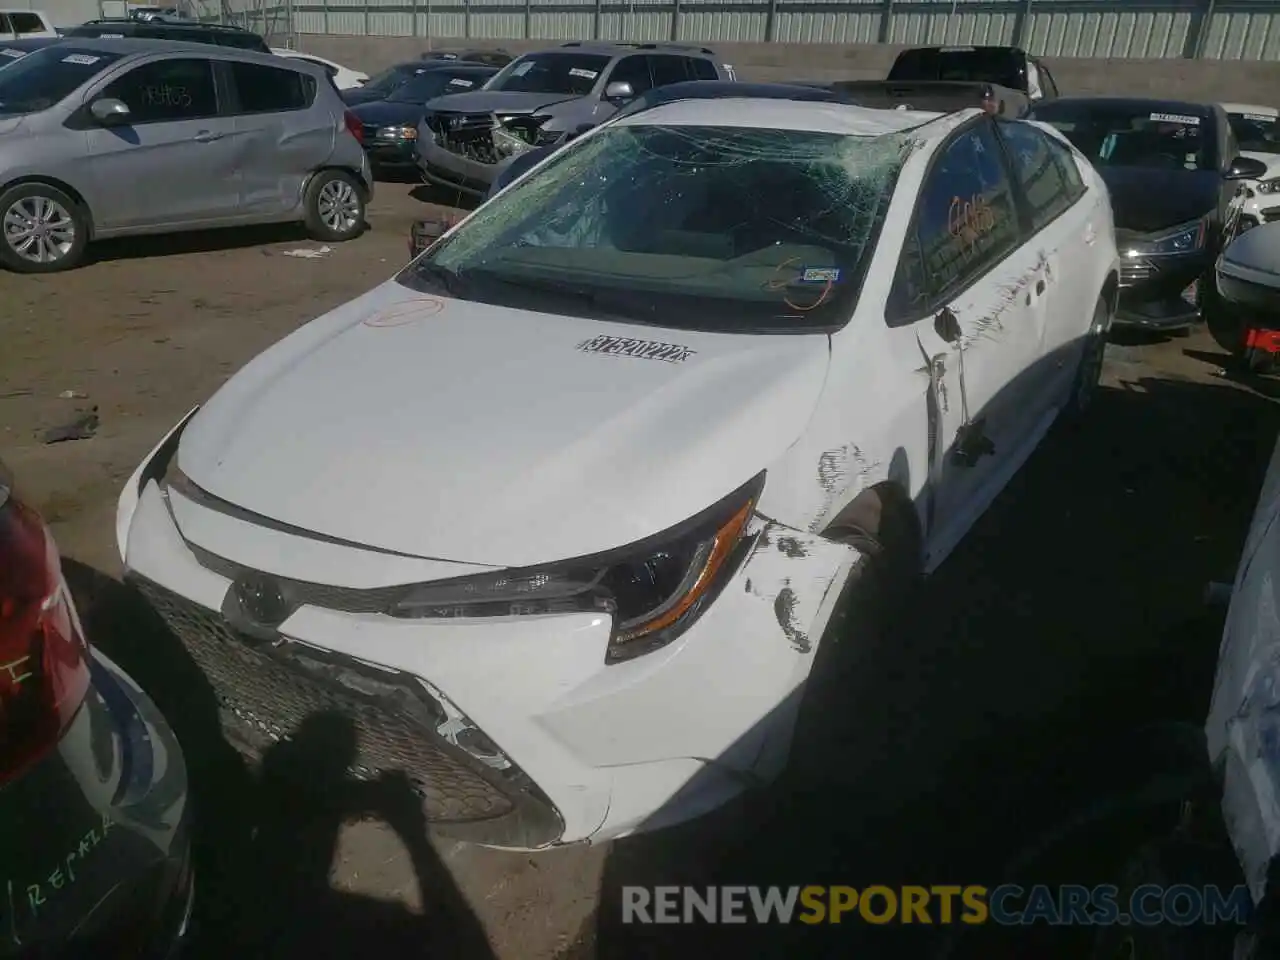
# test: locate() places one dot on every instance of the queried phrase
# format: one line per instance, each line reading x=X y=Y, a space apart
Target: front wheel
x=43 y=230
x=334 y=206
x=1089 y=370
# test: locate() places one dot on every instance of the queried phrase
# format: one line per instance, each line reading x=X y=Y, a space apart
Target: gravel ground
x=1071 y=614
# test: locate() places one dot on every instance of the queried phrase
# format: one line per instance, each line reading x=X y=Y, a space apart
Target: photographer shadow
x=265 y=838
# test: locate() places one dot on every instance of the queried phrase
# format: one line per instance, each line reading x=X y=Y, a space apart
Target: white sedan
x=559 y=516
x=344 y=78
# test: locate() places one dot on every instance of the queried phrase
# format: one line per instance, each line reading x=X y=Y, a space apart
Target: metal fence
x=1212 y=29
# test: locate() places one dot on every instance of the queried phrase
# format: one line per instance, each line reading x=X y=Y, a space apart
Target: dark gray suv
x=541 y=98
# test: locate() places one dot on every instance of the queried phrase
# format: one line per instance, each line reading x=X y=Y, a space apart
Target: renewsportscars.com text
x=1009 y=905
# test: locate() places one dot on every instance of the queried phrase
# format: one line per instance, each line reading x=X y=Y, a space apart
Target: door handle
x=207 y=136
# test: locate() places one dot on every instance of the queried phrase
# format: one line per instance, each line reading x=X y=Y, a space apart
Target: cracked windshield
x=695 y=227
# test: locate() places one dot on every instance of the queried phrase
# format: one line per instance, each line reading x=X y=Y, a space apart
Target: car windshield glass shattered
x=1256 y=132
x=45 y=77
x=708 y=228
x=568 y=74
x=1134 y=135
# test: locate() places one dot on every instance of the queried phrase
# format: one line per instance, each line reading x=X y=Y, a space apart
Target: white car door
x=967 y=306
x=1067 y=233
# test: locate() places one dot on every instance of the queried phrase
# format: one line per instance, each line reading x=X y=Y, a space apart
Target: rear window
x=997 y=65
x=264 y=89
x=241 y=41
x=26 y=23
x=567 y=74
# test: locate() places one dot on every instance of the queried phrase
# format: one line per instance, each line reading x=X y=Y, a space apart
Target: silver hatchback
x=104 y=138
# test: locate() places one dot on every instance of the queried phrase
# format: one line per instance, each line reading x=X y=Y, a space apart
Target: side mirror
x=619 y=90
x=1245 y=168
x=947 y=326
x=109 y=112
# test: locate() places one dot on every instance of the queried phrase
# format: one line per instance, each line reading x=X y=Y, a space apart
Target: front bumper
x=1162 y=292
x=398 y=155
x=514 y=730
x=444 y=168
x=99 y=858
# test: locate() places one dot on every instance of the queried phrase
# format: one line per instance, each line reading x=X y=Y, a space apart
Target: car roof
x=1134 y=103
x=134 y=23
x=785 y=114
x=1250 y=108
x=621 y=48
x=129 y=46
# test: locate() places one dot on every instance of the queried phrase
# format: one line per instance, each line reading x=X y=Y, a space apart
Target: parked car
x=1241 y=726
x=97 y=152
x=1248 y=278
x=1258 y=133
x=159 y=29
x=606 y=455
x=158 y=13
x=539 y=98
x=13 y=50
x=94 y=820
x=1172 y=168
x=489 y=58
x=1009 y=67
x=25 y=24
x=391 y=125
x=344 y=78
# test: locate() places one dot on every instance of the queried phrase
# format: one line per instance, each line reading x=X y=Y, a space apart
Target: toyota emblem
x=261 y=600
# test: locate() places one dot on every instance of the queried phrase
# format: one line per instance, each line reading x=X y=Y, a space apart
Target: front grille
x=1135 y=271
x=266 y=690
x=468 y=135
x=370 y=132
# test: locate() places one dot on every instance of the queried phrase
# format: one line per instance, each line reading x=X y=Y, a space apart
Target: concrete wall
x=1233 y=80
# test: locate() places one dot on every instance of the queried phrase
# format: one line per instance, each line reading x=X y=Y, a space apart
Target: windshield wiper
x=449 y=281
x=595 y=301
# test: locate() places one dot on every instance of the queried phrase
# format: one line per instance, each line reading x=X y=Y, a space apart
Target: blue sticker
x=820 y=275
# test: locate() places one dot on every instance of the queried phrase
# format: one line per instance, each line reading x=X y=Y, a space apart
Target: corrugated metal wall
x=1218 y=29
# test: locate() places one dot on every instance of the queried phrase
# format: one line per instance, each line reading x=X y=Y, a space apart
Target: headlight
x=516 y=135
x=1269 y=186
x=654 y=590
x=398 y=133
x=1186 y=238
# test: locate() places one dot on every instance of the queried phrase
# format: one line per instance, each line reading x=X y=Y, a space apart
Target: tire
x=334 y=205
x=42 y=230
x=1089 y=370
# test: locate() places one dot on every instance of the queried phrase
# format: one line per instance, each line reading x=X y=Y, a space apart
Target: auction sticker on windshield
x=584 y=74
x=1175 y=118
x=1262 y=117
x=457 y=82
x=16 y=54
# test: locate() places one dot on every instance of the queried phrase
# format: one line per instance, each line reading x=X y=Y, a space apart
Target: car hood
x=482 y=434
x=382 y=112
x=1144 y=200
x=497 y=101
x=358 y=95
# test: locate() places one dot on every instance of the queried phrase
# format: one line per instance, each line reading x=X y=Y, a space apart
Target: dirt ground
x=1071 y=615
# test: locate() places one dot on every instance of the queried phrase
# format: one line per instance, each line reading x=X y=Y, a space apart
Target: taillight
x=44 y=665
x=354 y=125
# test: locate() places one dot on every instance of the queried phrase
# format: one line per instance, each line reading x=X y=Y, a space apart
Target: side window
x=26 y=23
x=167 y=90
x=5 y=25
x=1070 y=171
x=632 y=70
x=668 y=69
x=1039 y=172
x=263 y=89
x=965 y=222
x=706 y=70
